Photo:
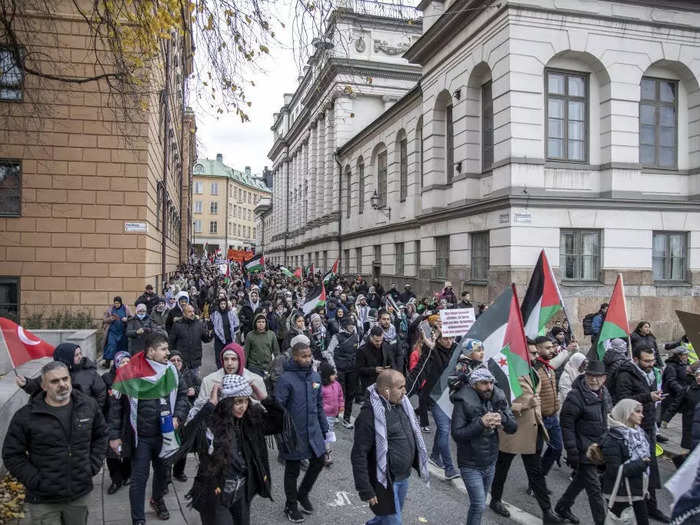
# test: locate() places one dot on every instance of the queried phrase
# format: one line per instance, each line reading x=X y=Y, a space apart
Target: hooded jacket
x=260 y=348
x=186 y=337
x=175 y=311
x=343 y=347
x=477 y=446
x=53 y=466
x=84 y=376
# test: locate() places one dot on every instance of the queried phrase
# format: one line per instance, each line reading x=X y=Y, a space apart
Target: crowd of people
x=290 y=371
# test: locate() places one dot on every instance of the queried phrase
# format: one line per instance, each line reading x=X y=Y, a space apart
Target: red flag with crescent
x=21 y=344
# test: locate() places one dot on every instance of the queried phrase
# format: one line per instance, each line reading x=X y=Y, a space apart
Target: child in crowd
x=333 y=403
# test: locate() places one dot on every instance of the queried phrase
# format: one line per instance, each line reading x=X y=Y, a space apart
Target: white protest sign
x=222 y=268
x=457 y=321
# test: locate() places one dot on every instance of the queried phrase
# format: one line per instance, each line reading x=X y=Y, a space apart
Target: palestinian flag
x=286 y=271
x=256 y=264
x=309 y=270
x=542 y=300
x=500 y=329
x=331 y=273
x=298 y=273
x=142 y=378
x=615 y=323
x=318 y=298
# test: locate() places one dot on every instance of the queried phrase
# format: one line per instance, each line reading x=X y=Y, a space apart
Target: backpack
x=588 y=323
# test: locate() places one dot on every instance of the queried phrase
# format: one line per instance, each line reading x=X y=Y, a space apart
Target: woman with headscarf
x=627 y=457
x=114 y=325
x=574 y=368
x=225 y=323
x=233 y=460
x=118 y=465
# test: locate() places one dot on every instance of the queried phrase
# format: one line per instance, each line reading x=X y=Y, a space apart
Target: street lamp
x=376 y=205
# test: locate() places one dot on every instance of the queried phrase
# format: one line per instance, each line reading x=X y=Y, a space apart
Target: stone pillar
x=313 y=141
x=321 y=170
x=330 y=194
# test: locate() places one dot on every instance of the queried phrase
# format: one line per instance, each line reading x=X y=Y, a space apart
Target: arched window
x=419 y=150
x=348 y=187
x=401 y=154
x=360 y=186
x=380 y=161
x=444 y=126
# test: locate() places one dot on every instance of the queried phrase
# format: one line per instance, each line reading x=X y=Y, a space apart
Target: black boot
x=549 y=518
x=567 y=515
x=499 y=508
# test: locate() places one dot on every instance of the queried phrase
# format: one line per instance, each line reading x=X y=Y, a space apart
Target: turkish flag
x=23 y=346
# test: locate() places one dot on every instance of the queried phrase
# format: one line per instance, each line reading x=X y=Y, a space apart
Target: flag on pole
x=298 y=273
x=318 y=298
x=331 y=273
x=500 y=329
x=542 y=299
x=256 y=264
x=615 y=323
x=22 y=345
x=286 y=271
x=142 y=378
x=309 y=270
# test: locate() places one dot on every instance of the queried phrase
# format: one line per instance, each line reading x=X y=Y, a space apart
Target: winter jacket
x=187 y=336
x=159 y=318
x=52 y=466
x=695 y=430
x=638 y=340
x=615 y=454
x=298 y=391
x=477 y=446
x=430 y=366
x=246 y=314
x=690 y=417
x=112 y=398
x=84 y=377
x=613 y=360
x=147 y=414
x=368 y=358
x=137 y=342
x=343 y=347
x=149 y=299
x=526 y=409
x=631 y=384
x=260 y=349
x=333 y=401
x=583 y=419
x=218 y=323
x=674 y=379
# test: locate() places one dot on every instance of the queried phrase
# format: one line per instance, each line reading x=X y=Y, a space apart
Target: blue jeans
x=400 y=490
x=441 y=443
x=478 y=483
x=555 y=444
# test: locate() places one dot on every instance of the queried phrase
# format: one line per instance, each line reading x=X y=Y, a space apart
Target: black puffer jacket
x=147 y=415
x=345 y=354
x=84 y=377
x=137 y=342
x=613 y=360
x=631 y=384
x=369 y=357
x=52 y=466
x=675 y=377
x=583 y=419
x=690 y=401
x=186 y=336
x=615 y=452
x=477 y=446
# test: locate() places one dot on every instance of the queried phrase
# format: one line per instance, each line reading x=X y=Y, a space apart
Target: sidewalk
x=672 y=448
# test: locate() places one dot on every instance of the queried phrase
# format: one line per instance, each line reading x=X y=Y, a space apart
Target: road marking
x=341 y=499
x=517 y=514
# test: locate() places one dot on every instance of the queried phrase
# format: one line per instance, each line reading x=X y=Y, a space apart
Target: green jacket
x=260 y=349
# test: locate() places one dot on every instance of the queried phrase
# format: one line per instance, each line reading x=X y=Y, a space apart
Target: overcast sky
x=247 y=144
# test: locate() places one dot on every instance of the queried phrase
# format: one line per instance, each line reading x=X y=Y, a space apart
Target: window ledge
x=477 y=283
x=579 y=282
x=569 y=164
x=672 y=284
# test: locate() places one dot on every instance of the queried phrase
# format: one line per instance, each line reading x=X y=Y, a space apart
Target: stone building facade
x=93 y=204
x=571 y=127
x=223 y=204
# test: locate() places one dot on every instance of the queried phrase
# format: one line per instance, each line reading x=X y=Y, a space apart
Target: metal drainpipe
x=340 y=205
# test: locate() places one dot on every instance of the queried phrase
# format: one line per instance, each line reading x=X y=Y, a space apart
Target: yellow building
x=223 y=200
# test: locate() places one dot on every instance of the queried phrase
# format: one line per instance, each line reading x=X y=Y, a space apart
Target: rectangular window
x=486 y=127
x=10 y=189
x=442 y=256
x=449 y=145
x=417 y=248
x=346 y=256
x=199 y=187
x=419 y=138
x=11 y=76
x=213 y=226
x=214 y=208
x=381 y=179
x=670 y=256
x=567 y=116
x=480 y=256
x=358 y=260
x=377 y=259
x=658 y=123
x=325 y=260
x=348 y=189
x=197 y=226
x=579 y=255
x=398 y=266
x=361 y=188
x=214 y=188
x=198 y=206
x=403 y=170
x=9 y=298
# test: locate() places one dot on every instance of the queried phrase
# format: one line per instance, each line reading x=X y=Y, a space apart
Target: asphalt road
x=443 y=502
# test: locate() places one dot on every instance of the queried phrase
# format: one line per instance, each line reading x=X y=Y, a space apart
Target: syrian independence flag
x=142 y=378
x=542 y=300
x=256 y=264
x=22 y=345
x=500 y=329
x=318 y=298
x=331 y=273
x=286 y=271
x=615 y=323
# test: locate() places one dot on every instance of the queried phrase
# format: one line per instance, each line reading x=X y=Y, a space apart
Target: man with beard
x=56 y=419
x=149 y=298
x=480 y=408
x=374 y=356
x=636 y=380
x=249 y=309
x=187 y=336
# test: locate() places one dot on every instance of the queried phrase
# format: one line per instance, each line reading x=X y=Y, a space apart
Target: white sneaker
x=346 y=423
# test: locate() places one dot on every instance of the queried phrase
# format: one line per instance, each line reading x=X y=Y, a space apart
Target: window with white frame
x=197 y=226
x=198 y=206
x=567 y=115
x=403 y=169
x=670 y=257
x=658 y=123
x=381 y=179
x=449 y=144
x=579 y=254
x=399 y=263
x=480 y=256
x=486 y=127
x=214 y=188
x=214 y=208
x=199 y=187
x=361 y=186
x=442 y=256
x=213 y=227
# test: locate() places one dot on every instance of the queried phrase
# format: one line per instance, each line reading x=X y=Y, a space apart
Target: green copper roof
x=216 y=168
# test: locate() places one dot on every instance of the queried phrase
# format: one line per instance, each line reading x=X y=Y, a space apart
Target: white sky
x=247 y=144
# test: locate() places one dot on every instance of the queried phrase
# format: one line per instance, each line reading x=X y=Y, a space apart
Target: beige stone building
x=223 y=200
x=91 y=206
